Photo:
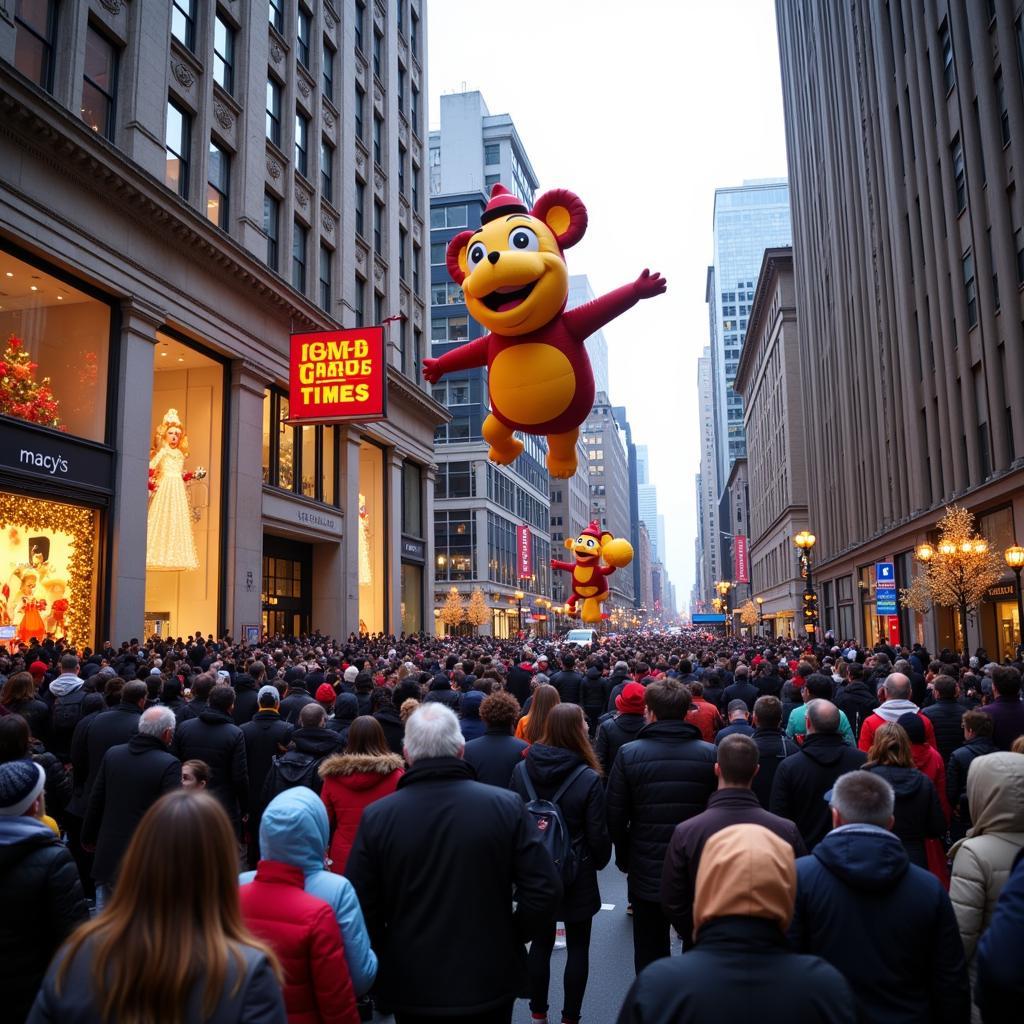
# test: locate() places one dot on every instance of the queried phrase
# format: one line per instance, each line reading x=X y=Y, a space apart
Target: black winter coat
x=886 y=924
x=132 y=777
x=394 y=730
x=741 y=969
x=802 y=781
x=945 y=717
x=613 y=733
x=956 y=776
x=857 y=701
x=438 y=818
x=768 y=685
x=660 y=779
x=774 y=746
x=715 y=695
x=265 y=736
x=42 y=903
x=59 y=786
x=918 y=812
x=744 y=691
x=215 y=739
x=494 y=755
x=517 y=682
x=594 y=692
x=569 y=686
x=246 y=698
x=582 y=807
x=37 y=713
x=296 y=700
x=106 y=730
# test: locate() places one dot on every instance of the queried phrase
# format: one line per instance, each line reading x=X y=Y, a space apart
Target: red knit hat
x=325 y=692
x=631 y=700
x=38 y=668
x=502 y=203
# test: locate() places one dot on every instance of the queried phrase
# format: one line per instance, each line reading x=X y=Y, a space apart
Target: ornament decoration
x=21 y=395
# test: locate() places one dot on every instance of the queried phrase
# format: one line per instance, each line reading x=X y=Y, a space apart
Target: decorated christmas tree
x=477 y=614
x=453 y=611
x=21 y=395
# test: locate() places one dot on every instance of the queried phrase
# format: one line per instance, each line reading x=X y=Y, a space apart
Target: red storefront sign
x=741 y=569
x=525 y=549
x=337 y=376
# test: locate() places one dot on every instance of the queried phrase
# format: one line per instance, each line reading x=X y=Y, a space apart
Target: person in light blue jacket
x=294 y=830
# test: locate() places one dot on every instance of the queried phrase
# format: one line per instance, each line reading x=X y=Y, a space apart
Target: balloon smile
x=501 y=300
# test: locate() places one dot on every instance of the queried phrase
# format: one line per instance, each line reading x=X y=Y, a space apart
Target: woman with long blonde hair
x=171 y=945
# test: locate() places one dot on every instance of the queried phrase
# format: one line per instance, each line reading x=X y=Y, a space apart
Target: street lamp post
x=1014 y=557
x=805 y=541
x=760 y=615
x=722 y=586
x=519 y=595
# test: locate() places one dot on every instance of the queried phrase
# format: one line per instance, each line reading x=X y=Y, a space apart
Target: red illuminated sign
x=337 y=376
x=741 y=568
x=525 y=549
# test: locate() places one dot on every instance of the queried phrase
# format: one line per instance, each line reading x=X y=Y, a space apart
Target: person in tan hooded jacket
x=982 y=862
x=746 y=889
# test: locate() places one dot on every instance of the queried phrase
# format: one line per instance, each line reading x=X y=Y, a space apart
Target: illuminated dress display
x=170 y=545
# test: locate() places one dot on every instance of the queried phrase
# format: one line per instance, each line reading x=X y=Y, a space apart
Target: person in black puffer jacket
x=622 y=726
x=346 y=711
x=442 y=692
x=946 y=716
x=386 y=704
x=566 y=755
x=663 y=777
x=773 y=746
x=18 y=744
x=714 y=690
x=594 y=694
x=494 y=754
x=246 y=704
x=856 y=699
x=568 y=682
x=39 y=886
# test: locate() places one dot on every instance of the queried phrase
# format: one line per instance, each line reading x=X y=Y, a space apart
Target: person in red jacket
x=703 y=714
x=897 y=702
x=365 y=772
x=303 y=932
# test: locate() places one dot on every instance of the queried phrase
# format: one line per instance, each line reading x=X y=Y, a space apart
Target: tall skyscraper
x=643 y=473
x=708 y=534
x=748 y=219
x=647 y=505
x=581 y=293
x=909 y=254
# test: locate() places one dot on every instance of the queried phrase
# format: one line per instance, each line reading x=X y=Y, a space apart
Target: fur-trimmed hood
x=338 y=765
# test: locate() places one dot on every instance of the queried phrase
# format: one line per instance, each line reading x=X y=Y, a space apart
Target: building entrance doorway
x=287 y=592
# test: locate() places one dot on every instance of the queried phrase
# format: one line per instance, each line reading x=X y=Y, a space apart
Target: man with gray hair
x=132 y=777
x=885 y=923
x=410 y=848
x=896 y=690
x=802 y=779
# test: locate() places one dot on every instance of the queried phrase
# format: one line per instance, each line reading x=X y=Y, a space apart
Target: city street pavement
x=611 y=961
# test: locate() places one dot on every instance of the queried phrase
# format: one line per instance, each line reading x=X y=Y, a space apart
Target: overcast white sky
x=642 y=109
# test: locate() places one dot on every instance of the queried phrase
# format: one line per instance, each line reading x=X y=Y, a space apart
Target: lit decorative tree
x=748 y=613
x=453 y=612
x=21 y=395
x=958 y=571
x=477 y=613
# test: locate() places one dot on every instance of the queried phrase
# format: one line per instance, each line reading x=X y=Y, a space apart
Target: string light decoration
x=748 y=613
x=477 y=613
x=453 y=611
x=35 y=516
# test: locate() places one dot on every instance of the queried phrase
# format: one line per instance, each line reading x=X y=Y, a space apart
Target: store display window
x=54 y=350
x=48 y=571
x=186 y=477
x=370 y=522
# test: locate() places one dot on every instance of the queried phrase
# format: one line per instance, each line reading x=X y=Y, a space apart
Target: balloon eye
x=524 y=240
x=477 y=253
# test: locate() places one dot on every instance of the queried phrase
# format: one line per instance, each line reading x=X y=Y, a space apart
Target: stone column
x=139 y=323
x=242 y=575
x=395 y=459
x=348 y=441
x=429 y=483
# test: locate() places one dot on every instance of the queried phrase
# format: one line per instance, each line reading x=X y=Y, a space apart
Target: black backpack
x=554 y=833
x=67 y=710
x=290 y=770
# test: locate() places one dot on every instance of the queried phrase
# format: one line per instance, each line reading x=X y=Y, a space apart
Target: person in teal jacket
x=817 y=686
x=294 y=830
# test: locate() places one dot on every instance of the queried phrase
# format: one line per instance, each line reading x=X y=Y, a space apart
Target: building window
x=378 y=139
x=223 y=54
x=378 y=226
x=1004 y=116
x=415 y=188
x=327 y=170
x=491 y=153
x=305 y=23
x=417 y=355
x=359 y=23
x=401 y=170
x=326 y=261
x=412 y=499
x=328 y=71
x=217 y=185
x=378 y=308
x=455 y=544
x=360 y=208
x=360 y=109
x=302 y=144
x=959 y=178
x=970 y=288
x=402 y=239
x=359 y=300
x=36 y=33
x=438 y=254
x=490 y=180
x=416 y=268
x=271 y=221
x=277 y=14
x=415 y=109
x=273 y=112
x=401 y=89
x=99 y=83
x=414 y=34
x=183 y=22
x=178 y=140
x=946 y=44
x=378 y=47
x=299 y=257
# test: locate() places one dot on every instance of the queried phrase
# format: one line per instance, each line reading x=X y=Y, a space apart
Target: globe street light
x=760 y=615
x=1014 y=557
x=805 y=540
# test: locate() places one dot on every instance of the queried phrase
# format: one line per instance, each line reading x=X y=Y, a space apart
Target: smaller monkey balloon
x=513 y=274
x=589 y=576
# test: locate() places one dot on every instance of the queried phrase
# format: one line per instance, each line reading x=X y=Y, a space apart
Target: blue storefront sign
x=885 y=588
